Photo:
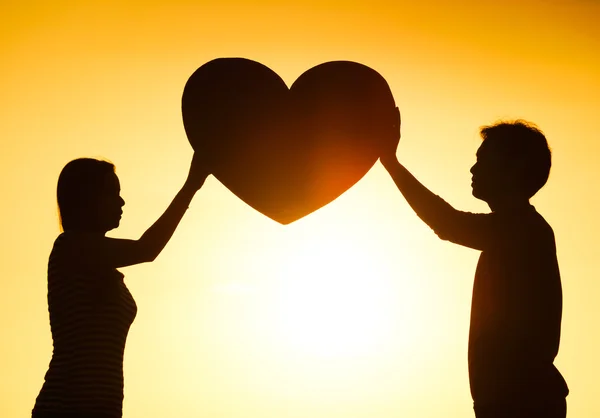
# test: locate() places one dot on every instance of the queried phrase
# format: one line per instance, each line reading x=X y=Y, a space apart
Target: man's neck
x=509 y=205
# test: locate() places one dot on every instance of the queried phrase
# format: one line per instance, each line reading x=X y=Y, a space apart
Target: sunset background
x=357 y=310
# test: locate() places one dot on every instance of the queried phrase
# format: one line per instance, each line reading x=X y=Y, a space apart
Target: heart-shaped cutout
x=287 y=152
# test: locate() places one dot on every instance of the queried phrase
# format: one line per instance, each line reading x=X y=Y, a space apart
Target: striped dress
x=91 y=311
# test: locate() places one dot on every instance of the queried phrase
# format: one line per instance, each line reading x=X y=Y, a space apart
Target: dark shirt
x=516 y=307
x=91 y=311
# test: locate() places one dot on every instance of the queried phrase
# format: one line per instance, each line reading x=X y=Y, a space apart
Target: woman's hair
x=79 y=185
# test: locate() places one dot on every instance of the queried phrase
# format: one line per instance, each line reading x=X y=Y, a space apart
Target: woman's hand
x=388 y=153
x=199 y=171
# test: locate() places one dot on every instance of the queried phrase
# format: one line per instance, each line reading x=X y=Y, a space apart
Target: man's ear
x=519 y=169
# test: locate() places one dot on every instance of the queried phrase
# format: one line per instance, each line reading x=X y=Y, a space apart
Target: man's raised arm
x=462 y=228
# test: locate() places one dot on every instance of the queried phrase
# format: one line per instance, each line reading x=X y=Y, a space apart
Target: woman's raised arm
x=97 y=250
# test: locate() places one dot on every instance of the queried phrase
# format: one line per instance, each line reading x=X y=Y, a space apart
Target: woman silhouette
x=90 y=307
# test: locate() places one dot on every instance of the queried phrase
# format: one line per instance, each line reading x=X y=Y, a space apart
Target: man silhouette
x=517 y=297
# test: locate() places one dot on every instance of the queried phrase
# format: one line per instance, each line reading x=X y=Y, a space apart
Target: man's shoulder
x=531 y=228
x=539 y=224
x=523 y=227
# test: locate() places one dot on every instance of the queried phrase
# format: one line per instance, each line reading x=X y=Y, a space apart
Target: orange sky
x=240 y=316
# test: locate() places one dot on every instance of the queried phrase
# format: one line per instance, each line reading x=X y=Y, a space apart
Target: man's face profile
x=492 y=173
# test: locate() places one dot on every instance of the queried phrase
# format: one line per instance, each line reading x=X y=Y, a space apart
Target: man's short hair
x=523 y=144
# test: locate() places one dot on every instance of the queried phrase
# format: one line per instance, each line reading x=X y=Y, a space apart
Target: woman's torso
x=91 y=311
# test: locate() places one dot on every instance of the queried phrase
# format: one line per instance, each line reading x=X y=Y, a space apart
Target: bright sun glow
x=334 y=300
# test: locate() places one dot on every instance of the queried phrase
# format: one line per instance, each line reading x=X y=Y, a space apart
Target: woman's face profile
x=110 y=203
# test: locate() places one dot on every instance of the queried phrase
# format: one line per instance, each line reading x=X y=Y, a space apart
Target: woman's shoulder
x=74 y=238
x=71 y=252
x=73 y=245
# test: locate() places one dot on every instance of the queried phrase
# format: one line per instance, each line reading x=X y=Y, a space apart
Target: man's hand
x=388 y=153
